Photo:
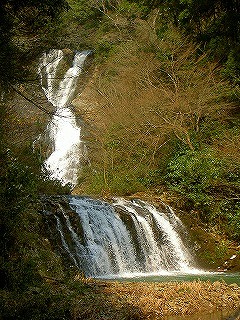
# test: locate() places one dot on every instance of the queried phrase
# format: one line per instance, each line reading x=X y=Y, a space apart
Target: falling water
x=63 y=163
x=125 y=238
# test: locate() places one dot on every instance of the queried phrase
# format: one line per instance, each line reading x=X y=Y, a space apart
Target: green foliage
x=132 y=9
x=124 y=167
x=37 y=304
x=230 y=212
x=192 y=173
x=212 y=130
x=161 y=30
x=19 y=21
x=92 y=182
x=103 y=49
x=120 y=181
x=123 y=183
x=210 y=184
x=20 y=187
x=232 y=66
x=20 y=273
x=85 y=13
x=46 y=301
x=218 y=254
x=17 y=184
x=21 y=180
x=214 y=24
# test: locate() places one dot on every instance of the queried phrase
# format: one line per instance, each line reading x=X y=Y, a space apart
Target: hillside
x=161 y=116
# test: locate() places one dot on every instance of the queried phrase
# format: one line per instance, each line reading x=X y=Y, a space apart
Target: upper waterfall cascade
x=125 y=238
x=63 y=163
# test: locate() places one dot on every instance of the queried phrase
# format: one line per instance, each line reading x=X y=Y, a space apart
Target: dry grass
x=114 y=300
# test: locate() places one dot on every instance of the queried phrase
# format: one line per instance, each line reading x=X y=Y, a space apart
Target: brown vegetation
x=114 y=300
x=149 y=91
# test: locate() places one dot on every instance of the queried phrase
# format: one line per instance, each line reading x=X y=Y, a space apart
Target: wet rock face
x=212 y=250
x=54 y=211
x=232 y=263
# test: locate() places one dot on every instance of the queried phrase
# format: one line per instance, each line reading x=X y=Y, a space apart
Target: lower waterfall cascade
x=122 y=239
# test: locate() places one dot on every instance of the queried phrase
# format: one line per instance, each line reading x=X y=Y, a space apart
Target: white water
x=125 y=239
x=168 y=254
x=63 y=163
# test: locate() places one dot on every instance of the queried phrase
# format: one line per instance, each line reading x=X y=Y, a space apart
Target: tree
x=21 y=23
x=215 y=24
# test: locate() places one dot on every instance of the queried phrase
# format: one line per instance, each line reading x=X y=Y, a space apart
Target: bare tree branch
x=50 y=113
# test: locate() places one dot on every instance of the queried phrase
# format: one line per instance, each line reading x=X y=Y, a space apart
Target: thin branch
x=50 y=113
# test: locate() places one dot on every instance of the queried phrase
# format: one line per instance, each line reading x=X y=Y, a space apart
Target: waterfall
x=125 y=238
x=63 y=130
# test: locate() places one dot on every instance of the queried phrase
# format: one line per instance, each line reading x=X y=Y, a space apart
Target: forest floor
x=89 y=299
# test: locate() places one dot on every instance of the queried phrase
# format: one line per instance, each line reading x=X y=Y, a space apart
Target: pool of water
x=179 y=277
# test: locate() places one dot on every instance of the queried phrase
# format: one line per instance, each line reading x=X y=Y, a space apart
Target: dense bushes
x=208 y=179
x=20 y=188
x=20 y=23
x=209 y=185
x=193 y=173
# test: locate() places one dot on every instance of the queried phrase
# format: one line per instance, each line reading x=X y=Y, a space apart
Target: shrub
x=193 y=173
x=230 y=212
x=103 y=49
x=210 y=184
x=85 y=13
